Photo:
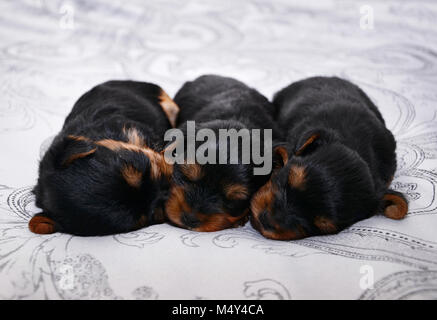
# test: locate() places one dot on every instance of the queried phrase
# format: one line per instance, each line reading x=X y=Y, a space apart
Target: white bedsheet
x=53 y=51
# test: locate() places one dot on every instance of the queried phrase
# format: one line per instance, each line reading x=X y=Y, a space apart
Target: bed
x=53 y=51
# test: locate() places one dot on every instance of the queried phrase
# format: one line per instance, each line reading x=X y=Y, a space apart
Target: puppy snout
x=270 y=228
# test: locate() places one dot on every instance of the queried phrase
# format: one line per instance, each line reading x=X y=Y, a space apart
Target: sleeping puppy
x=336 y=167
x=104 y=172
x=211 y=197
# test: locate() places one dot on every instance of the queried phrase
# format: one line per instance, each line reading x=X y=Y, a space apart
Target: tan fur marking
x=236 y=192
x=218 y=221
x=307 y=143
x=78 y=156
x=398 y=208
x=192 y=171
x=282 y=152
x=158 y=164
x=325 y=225
x=134 y=137
x=116 y=145
x=170 y=108
x=296 y=177
x=79 y=138
x=159 y=215
x=132 y=176
x=390 y=181
x=262 y=199
x=176 y=205
x=283 y=234
x=142 y=222
x=279 y=233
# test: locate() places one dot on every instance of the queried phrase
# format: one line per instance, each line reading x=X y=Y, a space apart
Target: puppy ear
x=170 y=108
x=395 y=205
x=312 y=139
x=307 y=144
x=75 y=147
x=280 y=156
x=42 y=224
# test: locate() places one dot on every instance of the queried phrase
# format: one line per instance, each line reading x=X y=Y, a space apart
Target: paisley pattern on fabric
x=53 y=51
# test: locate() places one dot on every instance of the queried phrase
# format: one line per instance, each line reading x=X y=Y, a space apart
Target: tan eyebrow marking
x=132 y=176
x=193 y=172
x=236 y=192
x=296 y=177
x=78 y=156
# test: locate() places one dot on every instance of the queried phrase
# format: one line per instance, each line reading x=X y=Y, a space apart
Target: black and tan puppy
x=211 y=197
x=104 y=172
x=337 y=165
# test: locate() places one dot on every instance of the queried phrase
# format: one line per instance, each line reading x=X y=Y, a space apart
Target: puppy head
x=210 y=197
x=320 y=187
x=100 y=187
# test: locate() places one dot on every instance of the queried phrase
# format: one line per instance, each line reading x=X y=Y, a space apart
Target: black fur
x=89 y=195
x=347 y=168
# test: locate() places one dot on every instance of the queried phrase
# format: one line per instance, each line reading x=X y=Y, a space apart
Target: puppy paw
x=42 y=224
x=395 y=205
